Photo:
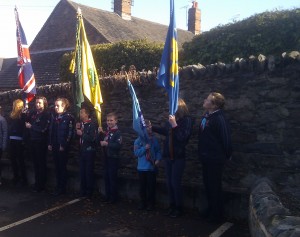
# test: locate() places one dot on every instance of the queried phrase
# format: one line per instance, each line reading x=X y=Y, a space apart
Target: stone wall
x=262 y=105
x=267 y=216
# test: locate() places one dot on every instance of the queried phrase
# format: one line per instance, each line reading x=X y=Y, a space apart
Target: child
x=87 y=131
x=38 y=125
x=177 y=132
x=214 y=148
x=3 y=137
x=60 y=135
x=16 y=129
x=148 y=156
x=111 y=142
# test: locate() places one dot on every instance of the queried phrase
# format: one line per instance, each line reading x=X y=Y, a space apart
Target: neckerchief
x=109 y=132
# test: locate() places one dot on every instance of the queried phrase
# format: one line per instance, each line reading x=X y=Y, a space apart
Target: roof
x=59 y=31
x=58 y=35
x=46 y=68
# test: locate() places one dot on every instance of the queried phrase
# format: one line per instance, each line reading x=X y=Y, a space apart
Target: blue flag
x=138 y=120
x=168 y=76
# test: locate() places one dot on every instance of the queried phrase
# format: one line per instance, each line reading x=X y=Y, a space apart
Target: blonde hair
x=218 y=100
x=18 y=106
x=65 y=102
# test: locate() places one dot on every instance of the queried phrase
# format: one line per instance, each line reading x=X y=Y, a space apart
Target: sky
x=34 y=13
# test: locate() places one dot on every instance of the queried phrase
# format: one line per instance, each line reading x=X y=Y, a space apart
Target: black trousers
x=60 y=163
x=0 y=163
x=16 y=150
x=212 y=178
x=111 y=167
x=87 y=164
x=147 y=183
x=39 y=158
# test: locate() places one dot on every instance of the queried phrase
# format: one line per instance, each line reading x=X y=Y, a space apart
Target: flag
x=168 y=76
x=86 y=78
x=138 y=119
x=25 y=75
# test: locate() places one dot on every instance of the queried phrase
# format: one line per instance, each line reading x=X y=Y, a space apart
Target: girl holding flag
x=177 y=132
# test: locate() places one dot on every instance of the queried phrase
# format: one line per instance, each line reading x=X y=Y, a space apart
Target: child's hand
x=156 y=162
x=78 y=126
x=103 y=143
x=100 y=129
x=147 y=146
x=172 y=121
x=79 y=132
x=27 y=125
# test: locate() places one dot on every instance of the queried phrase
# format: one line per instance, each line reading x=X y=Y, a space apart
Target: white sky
x=34 y=13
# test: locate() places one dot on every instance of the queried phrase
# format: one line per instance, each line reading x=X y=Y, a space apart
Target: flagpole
x=86 y=83
x=25 y=75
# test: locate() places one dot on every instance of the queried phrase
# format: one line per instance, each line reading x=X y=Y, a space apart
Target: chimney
x=123 y=8
x=1 y=63
x=194 y=20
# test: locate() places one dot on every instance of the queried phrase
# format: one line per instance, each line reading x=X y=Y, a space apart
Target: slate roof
x=46 y=68
x=58 y=34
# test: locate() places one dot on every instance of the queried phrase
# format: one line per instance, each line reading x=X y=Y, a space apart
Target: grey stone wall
x=267 y=216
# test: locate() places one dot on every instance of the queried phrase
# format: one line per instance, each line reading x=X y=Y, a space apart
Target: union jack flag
x=25 y=75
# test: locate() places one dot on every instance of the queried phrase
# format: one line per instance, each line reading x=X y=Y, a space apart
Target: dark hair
x=182 y=109
x=88 y=110
x=218 y=99
x=44 y=101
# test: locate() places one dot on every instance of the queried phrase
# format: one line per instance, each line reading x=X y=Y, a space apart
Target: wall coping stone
x=267 y=216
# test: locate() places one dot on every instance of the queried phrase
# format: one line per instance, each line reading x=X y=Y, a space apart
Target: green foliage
x=109 y=58
x=266 y=33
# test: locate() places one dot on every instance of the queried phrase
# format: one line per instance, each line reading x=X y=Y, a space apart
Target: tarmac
x=24 y=213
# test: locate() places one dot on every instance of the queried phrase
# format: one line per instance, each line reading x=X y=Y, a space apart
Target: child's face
x=59 y=107
x=208 y=104
x=39 y=105
x=83 y=115
x=111 y=121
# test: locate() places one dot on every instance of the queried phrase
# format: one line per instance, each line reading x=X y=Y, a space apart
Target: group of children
x=54 y=132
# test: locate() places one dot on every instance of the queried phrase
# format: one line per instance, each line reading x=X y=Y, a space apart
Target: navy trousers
x=111 y=178
x=87 y=164
x=174 y=172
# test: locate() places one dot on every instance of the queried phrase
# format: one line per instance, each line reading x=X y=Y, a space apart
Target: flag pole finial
x=79 y=12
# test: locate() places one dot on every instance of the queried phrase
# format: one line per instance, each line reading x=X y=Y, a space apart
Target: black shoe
x=176 y=213
x=59 y=193
x=169 y=211
x=141 y=206
x=150 y=208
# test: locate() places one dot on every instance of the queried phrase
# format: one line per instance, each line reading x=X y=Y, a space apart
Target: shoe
x=176 y=213
x=59 y=193
x=141 y=206
x=169 y=211
x=150 y=208
x=204 y=213
x=214 y=218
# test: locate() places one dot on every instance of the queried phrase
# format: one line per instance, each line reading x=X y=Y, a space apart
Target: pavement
x=24 y=213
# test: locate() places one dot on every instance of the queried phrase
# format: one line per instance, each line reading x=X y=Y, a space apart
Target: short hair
x=112 y=114
x=44 y=101
x=88 y=110
x=64 y=101
x=218 y=99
